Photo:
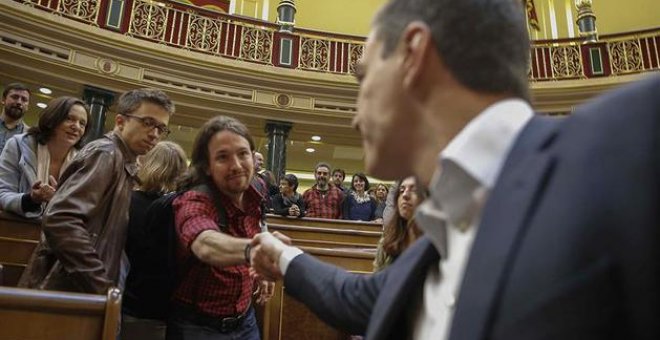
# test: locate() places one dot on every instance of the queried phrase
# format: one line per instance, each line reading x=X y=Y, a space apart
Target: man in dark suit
x=536 y=228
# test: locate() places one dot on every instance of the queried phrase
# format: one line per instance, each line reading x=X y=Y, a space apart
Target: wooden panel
x=16 y=250
x=300 y=323
x=11 y=274
x=35 y=314
x=18 y=238
x=325 y=223
x=12 y=226
x=287 y=319
x=341 y=237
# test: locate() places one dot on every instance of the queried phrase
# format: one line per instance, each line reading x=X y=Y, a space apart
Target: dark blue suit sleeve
x=342 y=299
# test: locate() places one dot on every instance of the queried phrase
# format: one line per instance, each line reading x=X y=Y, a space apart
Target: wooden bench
x=306 y=236
x=37 y=314
x=18 y=238
x=348 y=244
x=325 y=223
x=286 y=318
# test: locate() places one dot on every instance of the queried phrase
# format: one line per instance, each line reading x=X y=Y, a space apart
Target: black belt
x=223 y=324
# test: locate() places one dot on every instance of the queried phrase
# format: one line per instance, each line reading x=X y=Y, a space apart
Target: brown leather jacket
x=84 y=225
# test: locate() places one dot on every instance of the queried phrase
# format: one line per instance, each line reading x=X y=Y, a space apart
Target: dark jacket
x=85 y=223
x=568 y=245
x=282 y=208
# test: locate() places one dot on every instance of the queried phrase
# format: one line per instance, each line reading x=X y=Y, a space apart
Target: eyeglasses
x=151 y=123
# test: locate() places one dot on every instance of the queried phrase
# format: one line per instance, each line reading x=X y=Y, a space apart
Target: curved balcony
x=211 y=63
x=197 y=29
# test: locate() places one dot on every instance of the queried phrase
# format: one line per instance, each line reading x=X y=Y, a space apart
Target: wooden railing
x=348 y=244
x=612 y=55
x=211 y=32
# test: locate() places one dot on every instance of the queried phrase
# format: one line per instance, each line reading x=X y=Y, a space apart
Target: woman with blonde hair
x=158 y=174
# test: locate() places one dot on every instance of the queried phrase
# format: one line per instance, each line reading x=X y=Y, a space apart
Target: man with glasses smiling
x=85 y=222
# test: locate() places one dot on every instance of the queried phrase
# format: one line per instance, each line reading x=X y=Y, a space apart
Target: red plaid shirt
x=217 y=291
x=326 y=205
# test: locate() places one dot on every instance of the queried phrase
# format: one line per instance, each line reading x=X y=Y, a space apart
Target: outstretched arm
x=342 y=299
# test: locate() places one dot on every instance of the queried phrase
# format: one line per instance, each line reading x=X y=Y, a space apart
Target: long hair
x=53 y=115
x=395 y=233
x=378 y=200
x=161 y=167
x=199 y=163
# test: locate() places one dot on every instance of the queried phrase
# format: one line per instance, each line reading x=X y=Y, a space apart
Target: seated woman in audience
x=158 y=172
x=288 y=202
x=402 y=231
x=31 y=164
x=380 y=195
x=358 y=205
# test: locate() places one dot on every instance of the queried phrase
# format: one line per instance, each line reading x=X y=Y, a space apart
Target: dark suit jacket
x=568 y=246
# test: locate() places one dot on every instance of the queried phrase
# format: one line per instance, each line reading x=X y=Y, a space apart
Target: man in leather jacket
x=84 y=225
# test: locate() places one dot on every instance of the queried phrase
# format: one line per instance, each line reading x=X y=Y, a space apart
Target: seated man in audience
x=323 y=200
x=15 y=102
x=535 y=227
x=85 y=223
x=288 y=202
x=215 y=221
x=338 y=176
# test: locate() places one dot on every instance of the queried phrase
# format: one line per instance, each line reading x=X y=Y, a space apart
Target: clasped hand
x=265 y=254
x=41 y=192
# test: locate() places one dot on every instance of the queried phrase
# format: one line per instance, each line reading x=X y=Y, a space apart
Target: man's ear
x=120 y=121
x=417 y=42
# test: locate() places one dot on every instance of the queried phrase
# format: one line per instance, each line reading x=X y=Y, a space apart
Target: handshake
x=264 y=254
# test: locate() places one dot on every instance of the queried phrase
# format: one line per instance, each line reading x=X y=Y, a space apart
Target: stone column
x=98 y=101
x=278 y=133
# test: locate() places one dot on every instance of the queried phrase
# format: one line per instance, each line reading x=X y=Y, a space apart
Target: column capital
x=95 y=95
x=276 y=126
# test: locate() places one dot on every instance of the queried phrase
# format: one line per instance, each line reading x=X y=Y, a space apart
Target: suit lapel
x=504 y=219
x=404 y=278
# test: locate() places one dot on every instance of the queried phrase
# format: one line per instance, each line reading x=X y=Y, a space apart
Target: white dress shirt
x=470 y=166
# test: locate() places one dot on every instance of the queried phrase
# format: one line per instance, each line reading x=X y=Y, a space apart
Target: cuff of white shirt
x=288 y=254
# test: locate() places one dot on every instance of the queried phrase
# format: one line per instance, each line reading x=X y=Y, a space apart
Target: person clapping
x=288 y=202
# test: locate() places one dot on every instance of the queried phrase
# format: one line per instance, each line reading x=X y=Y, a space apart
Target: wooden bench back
x=37 y=314
x=18 y=238
x=285 y=318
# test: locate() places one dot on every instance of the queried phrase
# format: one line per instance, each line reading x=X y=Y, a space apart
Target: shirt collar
x=470 y=165
x=481 y=147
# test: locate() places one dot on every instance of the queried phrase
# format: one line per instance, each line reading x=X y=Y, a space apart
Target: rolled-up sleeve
x=193 y=213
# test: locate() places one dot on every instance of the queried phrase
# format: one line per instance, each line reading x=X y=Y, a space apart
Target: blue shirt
x=6 y=133
x=359 y=211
